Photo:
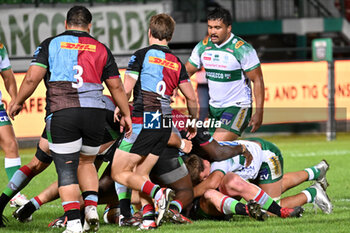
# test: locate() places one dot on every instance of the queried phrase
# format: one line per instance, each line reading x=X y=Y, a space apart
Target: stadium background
x=280 y=30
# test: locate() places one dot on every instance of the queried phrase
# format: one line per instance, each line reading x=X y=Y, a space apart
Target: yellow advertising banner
x=294 y=92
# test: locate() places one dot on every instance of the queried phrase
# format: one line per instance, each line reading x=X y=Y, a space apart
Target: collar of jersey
x=223 y=44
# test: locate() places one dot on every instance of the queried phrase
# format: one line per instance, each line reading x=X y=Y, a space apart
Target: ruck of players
x=164 y=165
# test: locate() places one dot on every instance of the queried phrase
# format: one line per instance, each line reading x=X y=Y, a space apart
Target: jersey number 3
x=78 y=76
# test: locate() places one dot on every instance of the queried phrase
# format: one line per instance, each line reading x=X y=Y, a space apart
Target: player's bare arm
x=10 y=83
x=116 y=88
x=256 y=77
x=32 y=79
x=191 y=69
x=192 y=104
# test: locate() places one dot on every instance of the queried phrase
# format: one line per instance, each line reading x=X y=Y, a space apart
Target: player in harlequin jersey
x=153 y=73
x=230 y=64
x=73 y=66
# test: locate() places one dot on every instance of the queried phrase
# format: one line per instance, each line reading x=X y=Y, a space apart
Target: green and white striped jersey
x=4 y=62
x=225 y=65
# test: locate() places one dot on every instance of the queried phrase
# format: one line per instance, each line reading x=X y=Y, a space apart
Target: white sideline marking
x=320 y=153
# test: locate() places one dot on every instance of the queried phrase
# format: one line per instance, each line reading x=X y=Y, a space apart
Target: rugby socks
x=72 y=211
x=151 y=189
x=310 y=194
x=18 y=181
x=11 y=166
x=267 y=203
x=229 y=205
x=148 y=215
x=36 y=202
x=124 y=197
x=313 y=173
x=90 y=198
x=176 y=205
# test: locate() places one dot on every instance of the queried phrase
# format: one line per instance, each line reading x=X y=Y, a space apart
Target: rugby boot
x=59 y=222
x=175 y=217
x=129 y=221
x=18 y=200
x=147 y=226
x=23 y=214
x=3 y=220
x=321 y=199
x=73 y=226
x=253 y=209
x=163 y=203
x=295 y=212
x=91 y=223
x=323 y=167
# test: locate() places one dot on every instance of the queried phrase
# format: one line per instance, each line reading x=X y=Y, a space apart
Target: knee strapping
x=66 y=168
x=42 y=156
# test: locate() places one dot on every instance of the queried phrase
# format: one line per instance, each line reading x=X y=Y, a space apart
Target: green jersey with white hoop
x=4 y=62
x=225 y=65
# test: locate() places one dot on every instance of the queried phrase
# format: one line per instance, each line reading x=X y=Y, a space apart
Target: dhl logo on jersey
x=78 y=46
x=164 y=62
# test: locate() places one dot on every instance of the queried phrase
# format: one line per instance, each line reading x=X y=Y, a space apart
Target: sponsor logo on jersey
x=164 y=62
x=239 y=44
x=226 y=118
x=205 y=41
x=78 y=46
x=208 y=48
x=207 y=58
x=276 y=165
x=151 y=120
x=230 y=50
x=264 y=174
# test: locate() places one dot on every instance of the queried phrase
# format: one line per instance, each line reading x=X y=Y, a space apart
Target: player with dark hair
x=74 y=65
x=230 y=64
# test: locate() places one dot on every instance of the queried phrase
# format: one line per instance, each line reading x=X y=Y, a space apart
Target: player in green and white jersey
x=230 y=64
x=8 y=141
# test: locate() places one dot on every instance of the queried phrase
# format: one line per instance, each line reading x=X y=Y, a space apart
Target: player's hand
x=248 y=158
x=191 y=132
x=126 y=125
x=256 y=121
x=14 y=109
x=188 y=146
x=116 y=114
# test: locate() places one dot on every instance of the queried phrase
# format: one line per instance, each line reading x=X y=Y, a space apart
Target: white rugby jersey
x=4 y=62
x=236 y=164
x=225 y=66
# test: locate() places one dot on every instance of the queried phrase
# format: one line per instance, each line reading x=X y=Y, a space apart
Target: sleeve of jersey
x=183 y=74
x=110 y=70
x=5 y=61
x=195 y=58
x=249 y=58
x=219 y=166
x=134 y=66
x=41 y=54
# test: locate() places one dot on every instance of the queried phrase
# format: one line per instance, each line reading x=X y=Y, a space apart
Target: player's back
x=76 y=67
x=158 y=73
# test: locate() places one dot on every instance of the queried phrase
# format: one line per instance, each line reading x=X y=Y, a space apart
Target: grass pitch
x=299 y=151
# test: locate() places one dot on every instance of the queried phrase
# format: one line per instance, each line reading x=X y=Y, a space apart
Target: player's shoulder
x=238 y=44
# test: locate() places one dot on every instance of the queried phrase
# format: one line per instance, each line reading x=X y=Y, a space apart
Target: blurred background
x=281 y=31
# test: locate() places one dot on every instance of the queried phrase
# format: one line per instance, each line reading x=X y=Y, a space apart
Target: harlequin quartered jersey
x=4 y=62
x=225 y=66
x=158 y=72
x=76 y=64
